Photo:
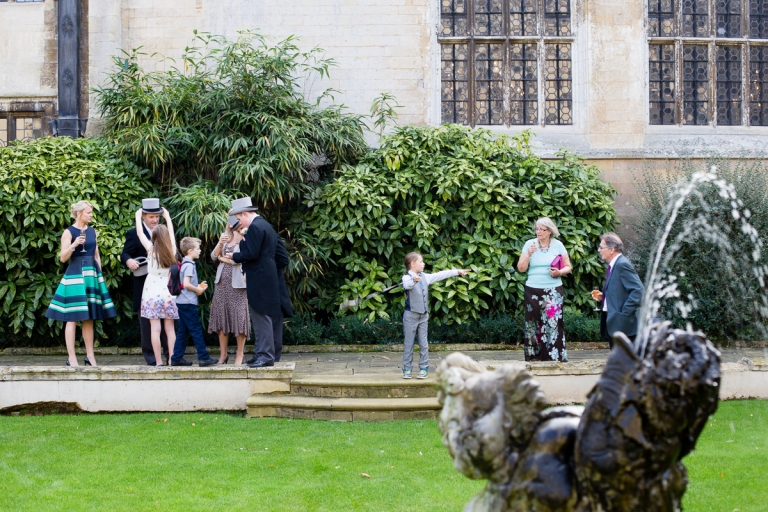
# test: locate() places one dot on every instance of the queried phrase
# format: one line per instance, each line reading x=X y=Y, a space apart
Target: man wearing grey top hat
x=134 y=257
x=261 y=258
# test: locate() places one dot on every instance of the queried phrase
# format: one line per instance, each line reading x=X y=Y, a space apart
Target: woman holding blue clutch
x=546 y=261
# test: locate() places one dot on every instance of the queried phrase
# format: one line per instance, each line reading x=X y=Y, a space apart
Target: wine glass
x=595 y=291
x=82 y=234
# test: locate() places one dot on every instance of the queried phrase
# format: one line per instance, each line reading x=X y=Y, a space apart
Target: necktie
x=605 y=286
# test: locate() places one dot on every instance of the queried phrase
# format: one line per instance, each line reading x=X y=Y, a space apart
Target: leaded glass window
x=506 y=62
x=704 y=57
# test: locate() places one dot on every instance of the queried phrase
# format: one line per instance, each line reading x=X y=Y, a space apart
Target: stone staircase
x=350 y=398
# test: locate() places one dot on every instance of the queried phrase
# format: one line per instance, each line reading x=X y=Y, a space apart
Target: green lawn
x=225 y=462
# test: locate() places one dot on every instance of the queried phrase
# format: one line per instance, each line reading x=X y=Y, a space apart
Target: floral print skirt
x=544 y=331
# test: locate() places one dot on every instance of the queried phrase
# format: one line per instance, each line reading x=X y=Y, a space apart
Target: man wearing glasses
x=622 y=293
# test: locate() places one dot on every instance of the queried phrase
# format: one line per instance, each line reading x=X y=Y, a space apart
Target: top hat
x=232 y=220
x=242 y=205
x=151 y=205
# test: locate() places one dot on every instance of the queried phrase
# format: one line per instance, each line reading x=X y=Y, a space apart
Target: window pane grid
x=495 y=82
x=453 y=18
x=525 y=85
x=661 y=18
x=728 y=18
x=28 y=128
x=3 y=131
x=662 y=83
x=557 y=18
x=489 y=100
x=728 y=81
x=455 y=83
x=558 y=101
x=695 y=85
x=489 y=18
x=695 y=18
x=758 y=86
x=758 y=19
x=522 y=18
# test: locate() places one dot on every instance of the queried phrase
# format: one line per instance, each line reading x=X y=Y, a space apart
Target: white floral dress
x=156 y=299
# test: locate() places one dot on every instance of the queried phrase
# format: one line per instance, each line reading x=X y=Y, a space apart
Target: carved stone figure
x=620 y=452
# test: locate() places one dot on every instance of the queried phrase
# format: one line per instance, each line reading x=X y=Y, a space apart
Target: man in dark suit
x=622 y=293
x=134 y=257
x=260 y=259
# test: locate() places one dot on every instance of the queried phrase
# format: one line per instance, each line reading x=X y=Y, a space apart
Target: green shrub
x=302 y=329
x=725 y=300
x=581 y=327
x=39 y=180
x=233 y=121
x=463 y=198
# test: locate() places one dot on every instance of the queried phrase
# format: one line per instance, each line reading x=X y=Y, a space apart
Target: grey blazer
x=238 y=280
x=623 y=293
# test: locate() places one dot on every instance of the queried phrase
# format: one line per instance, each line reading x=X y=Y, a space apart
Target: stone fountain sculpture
x=621 y=452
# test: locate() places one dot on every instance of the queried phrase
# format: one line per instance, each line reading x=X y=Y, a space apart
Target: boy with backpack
x=186 y=302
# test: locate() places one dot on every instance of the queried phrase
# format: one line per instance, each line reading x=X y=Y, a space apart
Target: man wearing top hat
x=261 y=258
x=134 y=257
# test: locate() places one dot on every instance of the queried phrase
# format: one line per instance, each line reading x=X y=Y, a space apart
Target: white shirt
x=610 y=264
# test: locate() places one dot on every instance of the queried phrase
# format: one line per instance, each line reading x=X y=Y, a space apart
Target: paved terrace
x=361 y=363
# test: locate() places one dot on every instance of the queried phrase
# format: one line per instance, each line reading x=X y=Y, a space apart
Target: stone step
x=363 y=386
x=342 y=409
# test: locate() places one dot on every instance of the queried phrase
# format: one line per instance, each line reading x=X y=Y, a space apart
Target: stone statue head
x=487 y=416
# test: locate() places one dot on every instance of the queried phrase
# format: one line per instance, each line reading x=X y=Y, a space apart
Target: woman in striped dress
x=81 y=295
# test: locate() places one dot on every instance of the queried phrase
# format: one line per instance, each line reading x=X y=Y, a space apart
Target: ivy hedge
x=39 y=180
x=464 y=198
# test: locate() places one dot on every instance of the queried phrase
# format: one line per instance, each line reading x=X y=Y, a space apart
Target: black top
x=134 y=249
x=258 y=254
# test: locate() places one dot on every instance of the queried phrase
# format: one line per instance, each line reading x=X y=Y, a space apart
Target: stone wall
x=388 y=45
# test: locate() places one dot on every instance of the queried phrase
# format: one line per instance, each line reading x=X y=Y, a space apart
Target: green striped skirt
x=82 y=294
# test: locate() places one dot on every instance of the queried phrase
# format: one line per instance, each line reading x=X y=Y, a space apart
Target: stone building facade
x=625 y=83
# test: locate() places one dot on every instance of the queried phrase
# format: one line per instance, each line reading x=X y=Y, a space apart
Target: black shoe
x=260 y=364
x=206 y=362
x=87 y=362
x=226 y=360
x=180 y=362
x=68 y=363
x=251 y=360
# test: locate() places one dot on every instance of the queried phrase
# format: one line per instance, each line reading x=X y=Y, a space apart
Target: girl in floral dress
x=546 y=260
x=157 y=303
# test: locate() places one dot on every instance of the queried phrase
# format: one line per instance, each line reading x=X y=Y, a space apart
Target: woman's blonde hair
x=162 y=246
x=78 y=207
x=546 y=222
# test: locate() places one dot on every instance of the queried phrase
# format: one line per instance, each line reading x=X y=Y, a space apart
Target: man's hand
x=132 y=264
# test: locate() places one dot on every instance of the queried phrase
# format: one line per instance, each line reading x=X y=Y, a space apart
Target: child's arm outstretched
x=445 y=274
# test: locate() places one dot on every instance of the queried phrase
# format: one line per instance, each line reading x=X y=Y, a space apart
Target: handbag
x=557 y=262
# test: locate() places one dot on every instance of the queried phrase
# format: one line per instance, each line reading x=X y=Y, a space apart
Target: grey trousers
x=415 y=324
x=267 y=337
x=263 y=338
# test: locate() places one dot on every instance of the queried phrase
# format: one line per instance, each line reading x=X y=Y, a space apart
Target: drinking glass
x=595 y=291
x=82 y=234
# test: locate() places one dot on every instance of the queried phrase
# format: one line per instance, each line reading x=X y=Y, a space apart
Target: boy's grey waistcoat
x=417 y=294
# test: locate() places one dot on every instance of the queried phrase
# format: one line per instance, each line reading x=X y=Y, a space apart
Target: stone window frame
x=540 y=41
x=715 y=45
x=14 y=111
